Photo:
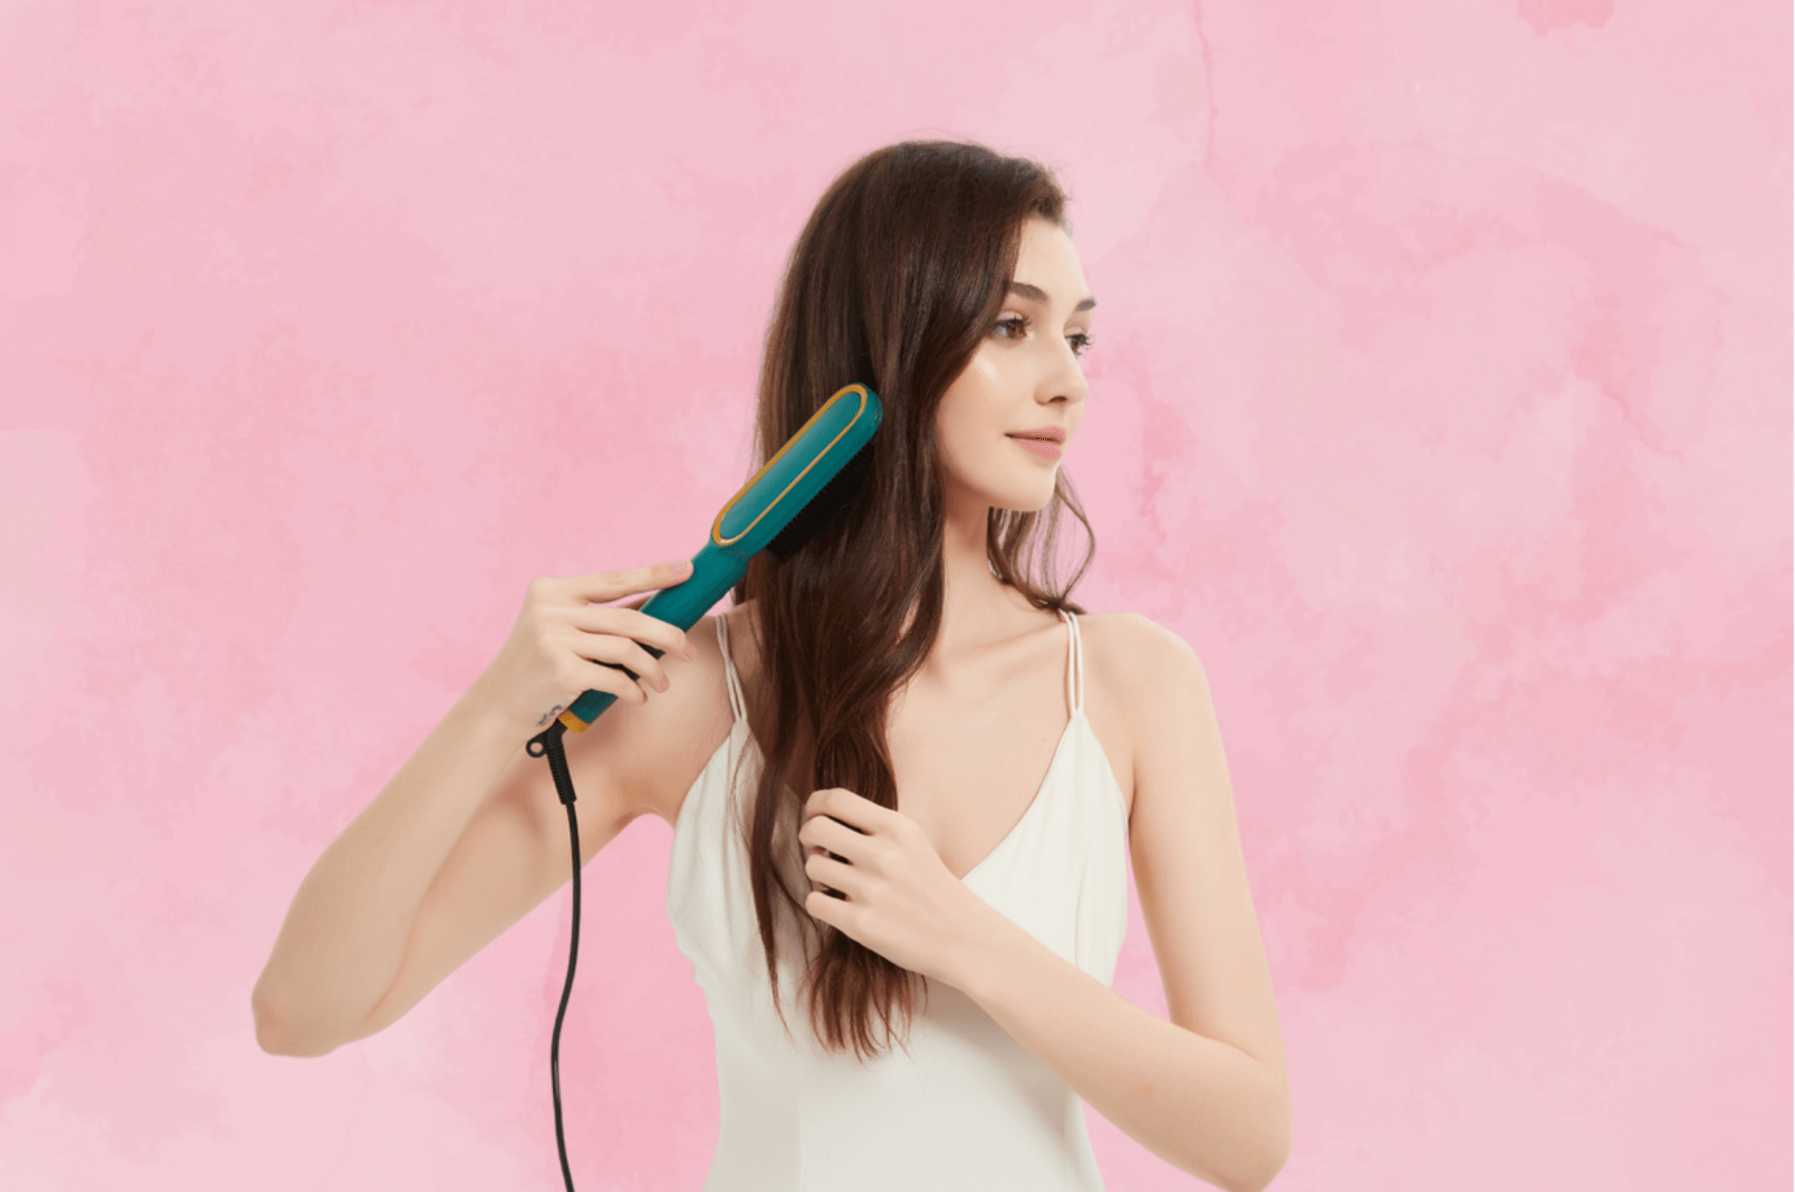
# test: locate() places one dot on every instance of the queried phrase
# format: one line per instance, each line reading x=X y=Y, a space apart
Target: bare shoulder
x=1145 y=677
x=1138 y=657
x=1171 y=694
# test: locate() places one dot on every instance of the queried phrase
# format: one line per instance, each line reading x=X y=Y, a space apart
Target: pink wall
x=1441 y=402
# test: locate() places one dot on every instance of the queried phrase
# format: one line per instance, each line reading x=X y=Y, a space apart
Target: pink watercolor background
x=1441 y=401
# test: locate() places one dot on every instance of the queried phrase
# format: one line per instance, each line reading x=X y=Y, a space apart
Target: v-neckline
x=1052 y=769
x=1053 y=766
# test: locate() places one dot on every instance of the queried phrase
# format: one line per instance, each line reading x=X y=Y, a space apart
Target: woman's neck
x=976 y=606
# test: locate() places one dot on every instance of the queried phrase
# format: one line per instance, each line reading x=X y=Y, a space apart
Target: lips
x=1039 y=444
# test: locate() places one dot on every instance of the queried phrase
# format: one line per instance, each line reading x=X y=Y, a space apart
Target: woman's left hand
x=901 y=900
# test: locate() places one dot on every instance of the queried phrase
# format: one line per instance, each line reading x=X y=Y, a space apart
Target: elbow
x=1259 y=1183
x=1273 y=1151
x=1271 y=1173
x=1276 y=1155
x=277 y=1033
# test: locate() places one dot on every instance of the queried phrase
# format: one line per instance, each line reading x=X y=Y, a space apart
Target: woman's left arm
x=1208 y=1091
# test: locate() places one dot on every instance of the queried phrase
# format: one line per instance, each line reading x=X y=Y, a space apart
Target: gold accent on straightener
x=724 y=512
x=574 y=723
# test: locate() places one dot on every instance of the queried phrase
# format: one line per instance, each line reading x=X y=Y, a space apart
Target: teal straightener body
x=781 y=508
x=778 y=509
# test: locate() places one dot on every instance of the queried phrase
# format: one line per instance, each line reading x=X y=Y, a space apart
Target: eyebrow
x=1040 y=295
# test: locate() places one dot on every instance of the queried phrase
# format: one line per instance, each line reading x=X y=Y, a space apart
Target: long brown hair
x=896 y=279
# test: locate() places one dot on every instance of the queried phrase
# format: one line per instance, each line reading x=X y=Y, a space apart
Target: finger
x=826 y=909
x=827 y=833
x=837 y=876
x=857 y=812
x=625 y=622
x=610 y=680
x=615 y=651
x=604 y=586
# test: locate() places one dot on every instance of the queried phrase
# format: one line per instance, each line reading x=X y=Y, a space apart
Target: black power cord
x=549 y=742
x=845 y=480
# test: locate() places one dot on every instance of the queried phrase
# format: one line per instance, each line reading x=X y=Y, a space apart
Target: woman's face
x=1024 y=378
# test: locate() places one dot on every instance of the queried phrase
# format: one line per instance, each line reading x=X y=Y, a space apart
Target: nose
x=1064 y=379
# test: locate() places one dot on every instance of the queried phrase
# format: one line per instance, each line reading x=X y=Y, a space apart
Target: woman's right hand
x=564 y=628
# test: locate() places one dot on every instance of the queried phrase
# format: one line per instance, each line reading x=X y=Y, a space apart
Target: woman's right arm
x=469 y=835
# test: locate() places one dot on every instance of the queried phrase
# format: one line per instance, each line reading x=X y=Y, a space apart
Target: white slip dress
x=959 y=1105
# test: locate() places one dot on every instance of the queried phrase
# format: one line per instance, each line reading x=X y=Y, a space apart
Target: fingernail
x=690 y=654
x=683 y=567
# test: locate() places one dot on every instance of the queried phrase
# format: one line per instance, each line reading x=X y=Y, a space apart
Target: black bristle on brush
x=829 y=500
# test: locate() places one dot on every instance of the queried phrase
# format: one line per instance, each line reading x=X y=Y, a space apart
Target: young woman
x=903 y=769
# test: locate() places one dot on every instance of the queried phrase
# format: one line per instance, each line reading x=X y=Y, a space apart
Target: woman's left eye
x=1016 y=326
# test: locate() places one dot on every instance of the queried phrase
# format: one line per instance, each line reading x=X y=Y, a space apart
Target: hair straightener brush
x=780 y=509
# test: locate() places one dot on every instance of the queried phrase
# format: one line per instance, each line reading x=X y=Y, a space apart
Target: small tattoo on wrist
x=549 y=715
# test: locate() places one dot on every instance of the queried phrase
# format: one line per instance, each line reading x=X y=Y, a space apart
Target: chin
x=1025 y=501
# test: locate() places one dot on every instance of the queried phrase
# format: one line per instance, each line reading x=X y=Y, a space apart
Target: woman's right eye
x=1017 y=322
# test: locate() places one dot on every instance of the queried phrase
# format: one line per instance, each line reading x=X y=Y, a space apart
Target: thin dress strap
x=736 y=703
x=1074 y=664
